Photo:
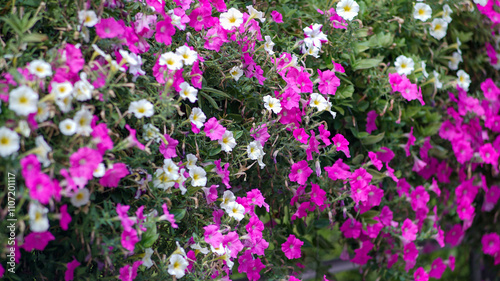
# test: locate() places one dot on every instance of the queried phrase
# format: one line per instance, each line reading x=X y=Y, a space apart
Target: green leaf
x=376 y=175
x=372 y=139
x=34 y=38
x=237 y=134
x=178 y=213
x=345 y=92
x=366 y=63
x=150 y=236
x=357 y=160
x=369 y=214
x=216 y=92
x=214 y=151
x=210 y=100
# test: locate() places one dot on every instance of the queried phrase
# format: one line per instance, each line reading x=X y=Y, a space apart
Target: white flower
x=347 y=9
x=177 y=266
x=188 y=56
x=171 y=169
x=455 y=60
x=438 y=28
x=236 y=72
x=198 y=176
x=42 y=151
x=255 y=150
x=80 y=198
x=83 y=89
x=188 y=92
x=88 y=18
x=115 y=66
x=227 y=142
x=127 y=57
x=40 y=68
x=150 y=132
x=38 y=218
x=231 y=18
x=197 y=246
x=463 y=80
x=310 y=50
x=446 y=13
x=141 y=108
x=146 y=260
x=481 y=2
x=23 y=100
x=9 y=142
x=424 y=72
x=191 y=161
x=422 y=11
x=254 y=14
x=314 y=35
x=83 y=119
x=227 y=198
x=236 y=211
x=23 y=128
x=219 y=250
x=100 y=171
x=404 y=65
x=67 y=127
x=197 y=117
x=42 y=111
x=163 y=180
x=180 y=181
x=437 y=83
x=176 y=20
x=61 y=90
x=171 y=60
x=135 y=69
x=268 y=46
x=64 y=103
x=318 y=101
x=273 y=104
x=329 y=108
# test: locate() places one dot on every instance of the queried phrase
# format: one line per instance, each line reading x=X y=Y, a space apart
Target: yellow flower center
x=4 y=141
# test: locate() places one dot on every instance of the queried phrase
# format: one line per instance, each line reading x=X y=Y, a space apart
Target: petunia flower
x=70 y=269
x=213 y=129
x=291 y=247
x=300 y=172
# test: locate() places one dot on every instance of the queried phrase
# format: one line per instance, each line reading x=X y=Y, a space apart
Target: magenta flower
x=341 y=144
x=339 y=170
x=301 y=211
x=451 y=263
x=419 y=198
x=437 y=268
x=132 y=139
x=84 y=162
x=411 y=141
x=360 y=181
x=167 y=216
x=491 y=243
x=255 y=197
x=69 y=273
x=41 y=187
x=351 y=228
x=277 y=17
x=260 y=134
x=223 y=173
x=290 y=99
x=371 y=117
x=403 y=187
x=375 y=161
x=211 y=193
x=128 y=273
x=362 y=256
x=312 y=147
x=490 y=90
x=196 y=75
x=65 y=217
x=201 y=17
x=301 y=135
x=463 y=150
x=489 y=154
x=129 y=239
x=164 y=31
x=318 y=195
x=491 y=197
x=232 y=241
x=259 y=246
x=168 y=148
x=465 y=211
x=254 y=228
x=212 y=235
x=30 y=166
x=455 y=235
x=291 y=247
x=213 y=129
x=328 y=82
x=113 y=175
x=37 y=241
x=421 y=275
x=324 y=135
x=410 y=252
x=254 y=268
x=300 y=172
x=409 y=230
x=109 y=28
x=386 y=216
x=2 y=271
x=100 y=135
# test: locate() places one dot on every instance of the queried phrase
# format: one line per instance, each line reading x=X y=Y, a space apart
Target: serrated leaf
x=367 y=63
x=372 y=139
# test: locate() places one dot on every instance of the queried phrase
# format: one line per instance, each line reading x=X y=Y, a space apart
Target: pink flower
x=2 y=271
x=291 y=247
x=328 y=82
x=386 y=216
x=491 y=243
x=362 y=256
x=293 y=279
x=411 y=141
x=168 y=148
x=491 y=198
x=167 y=216
x=196 y=75
x=113 y=175
x=41 y=187
x=437 y=268
x=337 y=21
x=255 y=228
x=84 y=162
x=69 y=274
x=201 y=17
x=463 y=151
x=260 y=134
x=300 y=172
x=65 y=217
x=255 y=197
x=375 y=161
x=318 y=195
x=213 y=129
x=223 y=173
x=109 y=28
x=128 y=273
x=341 y=144
x=490 y=90
x=421 y=275
x=312 y=147
x=489 y=154
x=129 y=239
x=301 y=135
x=232 y=241
x=351 y=228
x=290 y=99
x=418 y=165
x=212 y=235
x=360 y=181
x=451 y=263
x=410 y=252
x=164 y=31
x=324 y=134
x=37 y=241
x=409 y=230
x=100 y=135
x=455 y=235
x=132 y=139
x=465 y=211
x=338 y=170
x=30 y=166
x=403 y=187
x=419 y=198
x=253 y=269
x=371 y=117
x=301 y=211
x=277 y=17
x=211 y=193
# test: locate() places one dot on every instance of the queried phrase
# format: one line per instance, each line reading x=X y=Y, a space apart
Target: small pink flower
x=339 y=170
x=291 y=247
x=232 y=241
x=129 y=239
x=421 y=275
x=109 y=28
x=489 y=154
x=41 y=187
x=371 y=117
x=260 y=134
x=300 y=172
x=100 y=135
x=340 y=142
x=211 y=193
x=132 y=139
x=362 y=256
x=30 y=166
x=277 y=17
x=419 y=198
x=37 y=241
x=411 y=141
x=312 y=147
x=455 y=235
x=69 y=274
x=167 y=216
x=301 y=135
x=409 y=230
x=318 y=195
x=254 y=268
x=324 y=134
x=328 y=82
x=491 y=243
x=128 y=273
x=410 y=252
x=113 y=176
x=375 y=161
x=168 y=149
x=451 y=263
x=213 y=129
x=437 y=268
x=84 y=162
x=351 y=228
x=164 y=31
x=213 y=235
x=65 y=217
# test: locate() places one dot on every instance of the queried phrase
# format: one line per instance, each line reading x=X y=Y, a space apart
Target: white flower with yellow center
x=150 y=132
x=438 y=28
x=43 y=111
x=42 y=151
x=422 y=11
x=455 y=60
x=318 y=101
x=197 y=117
x=171 y=60
x=171 y=169
x=446 y=13
x=23 y=100
x=180 y=181
x=268 y=46
x=128 y=58
x=404 y=65
x=227 y=142
x=146 y=260
x=141 y=108
x=9 y=142
x=437 y=83
x=255 y=150
x=273 y=104
x=191 y=161
x=463 y=80
x=162 y=180
x=188 y=56
x=314 y=35
x=198 y=176
x=64 y=103
x=23 y=128
x=83 y=89
x=236 y=211
x=40 y=68
x=188 y=92
x=218 y=250
x=38 y=218
x=254 y=14
x=230 y=19
x=61 y=90
x=236 y=72
x=115 y=66
x=177 y=266
x=197 y=247
x=176 y=20
x=227 y=198
x=347 y=9
x=67 y=127
x=80 y=198
x=100 y=171
x=310 y=50
x=88 y=18
x=83 y=119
